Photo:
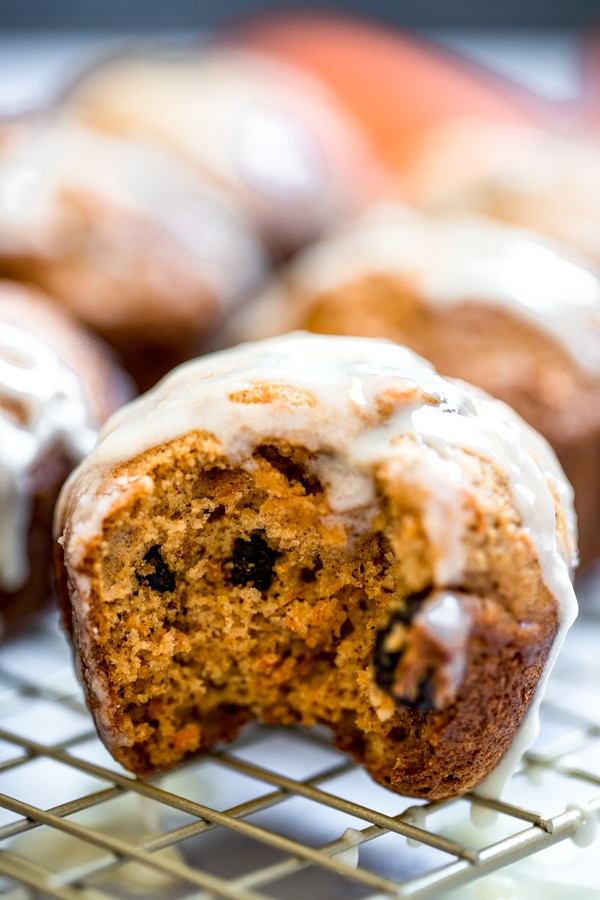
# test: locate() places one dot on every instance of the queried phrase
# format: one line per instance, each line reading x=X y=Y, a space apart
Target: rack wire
x=280 y=813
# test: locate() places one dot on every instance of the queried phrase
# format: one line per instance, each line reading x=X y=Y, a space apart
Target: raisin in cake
x=496 y=305
x=57 y=385
x=318 y=529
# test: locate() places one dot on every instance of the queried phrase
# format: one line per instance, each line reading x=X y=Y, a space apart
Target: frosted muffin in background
x=548 y=181
x=273 y=138
x=135 y=244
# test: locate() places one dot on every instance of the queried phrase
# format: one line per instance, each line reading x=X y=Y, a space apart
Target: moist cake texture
x=318 y=530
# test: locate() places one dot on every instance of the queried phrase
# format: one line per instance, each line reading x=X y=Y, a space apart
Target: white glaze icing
x=51 y=410
x=42 y=168
x=449 y=260
x=587 y=828
x=449 y=624
x=338 y=381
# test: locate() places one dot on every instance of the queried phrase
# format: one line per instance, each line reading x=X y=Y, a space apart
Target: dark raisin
x=308 y=574
x=161 y=579
x=347 y=628
x=412 y=605
x=217 y=513
x=384 y=661
x=253 y=561
x=425 y=699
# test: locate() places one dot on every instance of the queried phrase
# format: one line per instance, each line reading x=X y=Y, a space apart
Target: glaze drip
x=42 y=405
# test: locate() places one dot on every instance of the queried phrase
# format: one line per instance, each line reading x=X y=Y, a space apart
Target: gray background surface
x=157 y=14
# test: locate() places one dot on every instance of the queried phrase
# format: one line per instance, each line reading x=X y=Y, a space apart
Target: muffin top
x=345 y=398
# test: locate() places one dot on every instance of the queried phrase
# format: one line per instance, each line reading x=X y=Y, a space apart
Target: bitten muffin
x=272 y=137
x=57 y=385
x=496 y=305
x=318 y=530
x=140 y=248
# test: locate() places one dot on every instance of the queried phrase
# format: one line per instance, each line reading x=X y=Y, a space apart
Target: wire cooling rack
x=280 y=813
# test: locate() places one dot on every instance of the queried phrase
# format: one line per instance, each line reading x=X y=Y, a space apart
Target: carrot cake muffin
x=318 y=529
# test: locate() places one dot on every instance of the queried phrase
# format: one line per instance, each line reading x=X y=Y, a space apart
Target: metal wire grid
x=279 y=813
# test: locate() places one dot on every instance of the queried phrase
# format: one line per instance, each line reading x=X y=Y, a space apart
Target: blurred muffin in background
x=140 y=248
x=58 y=383
x=547 y=181
x=494 y=305
x=397 y=86
x=269 y=135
